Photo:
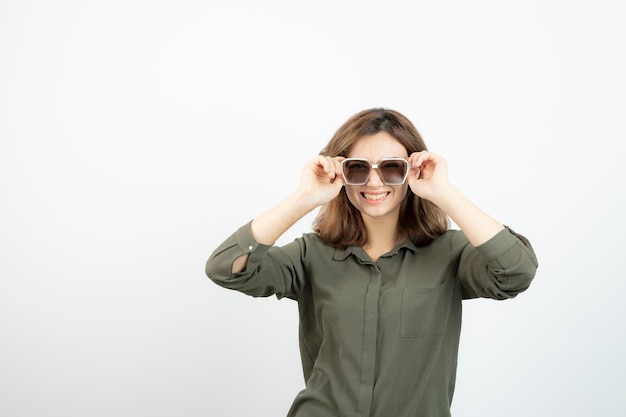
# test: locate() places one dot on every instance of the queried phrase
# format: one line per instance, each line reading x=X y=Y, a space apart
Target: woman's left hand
x=428 y=176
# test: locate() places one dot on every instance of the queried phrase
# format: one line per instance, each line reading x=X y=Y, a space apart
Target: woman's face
x=374 y=199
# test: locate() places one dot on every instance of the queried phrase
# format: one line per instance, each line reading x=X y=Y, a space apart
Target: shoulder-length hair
x=339 y=223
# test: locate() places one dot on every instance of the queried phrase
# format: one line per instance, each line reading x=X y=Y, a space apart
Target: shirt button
x=250 y=247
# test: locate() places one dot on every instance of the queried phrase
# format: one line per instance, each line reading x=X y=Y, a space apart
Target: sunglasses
x=357 y=171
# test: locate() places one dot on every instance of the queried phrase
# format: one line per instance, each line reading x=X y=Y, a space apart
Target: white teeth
x=375 y=196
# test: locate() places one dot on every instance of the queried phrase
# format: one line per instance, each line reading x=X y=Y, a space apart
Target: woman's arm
x=497 y=263
x=320 y=182
x=430 y=181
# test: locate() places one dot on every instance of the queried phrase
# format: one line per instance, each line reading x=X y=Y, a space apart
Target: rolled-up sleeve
x=270 y=270
x=501 y=268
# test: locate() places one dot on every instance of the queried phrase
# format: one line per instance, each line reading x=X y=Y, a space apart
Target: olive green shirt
x=377 y=339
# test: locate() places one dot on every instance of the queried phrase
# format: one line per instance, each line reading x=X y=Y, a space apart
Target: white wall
x=136 y=135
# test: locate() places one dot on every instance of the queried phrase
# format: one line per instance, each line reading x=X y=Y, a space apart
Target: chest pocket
x=424 y=311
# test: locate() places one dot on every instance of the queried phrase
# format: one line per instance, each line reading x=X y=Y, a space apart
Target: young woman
x=379 y=283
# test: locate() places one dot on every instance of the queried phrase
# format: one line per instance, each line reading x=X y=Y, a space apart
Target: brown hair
x=339 y=223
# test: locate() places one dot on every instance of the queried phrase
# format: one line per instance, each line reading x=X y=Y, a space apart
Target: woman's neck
x=382 y=237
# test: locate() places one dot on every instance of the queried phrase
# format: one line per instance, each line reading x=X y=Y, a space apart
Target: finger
x=425 y=158
x=418 y=158
x=414 y=174
x=321 y=162
x=331 y=168
x=339 y=168
x=337 y=162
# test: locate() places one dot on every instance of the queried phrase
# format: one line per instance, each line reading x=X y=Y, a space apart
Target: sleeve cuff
x=248 y=245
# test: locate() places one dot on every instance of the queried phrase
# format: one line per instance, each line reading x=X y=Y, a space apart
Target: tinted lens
x=356 y=171
x=393 y=171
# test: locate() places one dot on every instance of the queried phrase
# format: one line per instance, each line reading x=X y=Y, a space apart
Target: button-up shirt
x=377 y=339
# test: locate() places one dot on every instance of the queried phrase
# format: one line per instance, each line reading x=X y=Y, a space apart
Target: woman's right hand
x=320 y=182
x=321 y=179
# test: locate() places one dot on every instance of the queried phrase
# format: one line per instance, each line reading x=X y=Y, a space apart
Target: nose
x=374 y=180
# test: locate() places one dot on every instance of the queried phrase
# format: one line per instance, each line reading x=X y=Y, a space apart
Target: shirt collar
x=357 y=251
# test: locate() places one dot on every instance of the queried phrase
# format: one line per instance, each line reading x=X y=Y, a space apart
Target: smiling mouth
x=375 y=197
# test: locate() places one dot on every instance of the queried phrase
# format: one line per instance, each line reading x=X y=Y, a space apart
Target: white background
x=136 y=135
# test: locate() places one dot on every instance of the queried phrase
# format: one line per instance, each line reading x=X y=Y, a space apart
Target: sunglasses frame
x=374 y=167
